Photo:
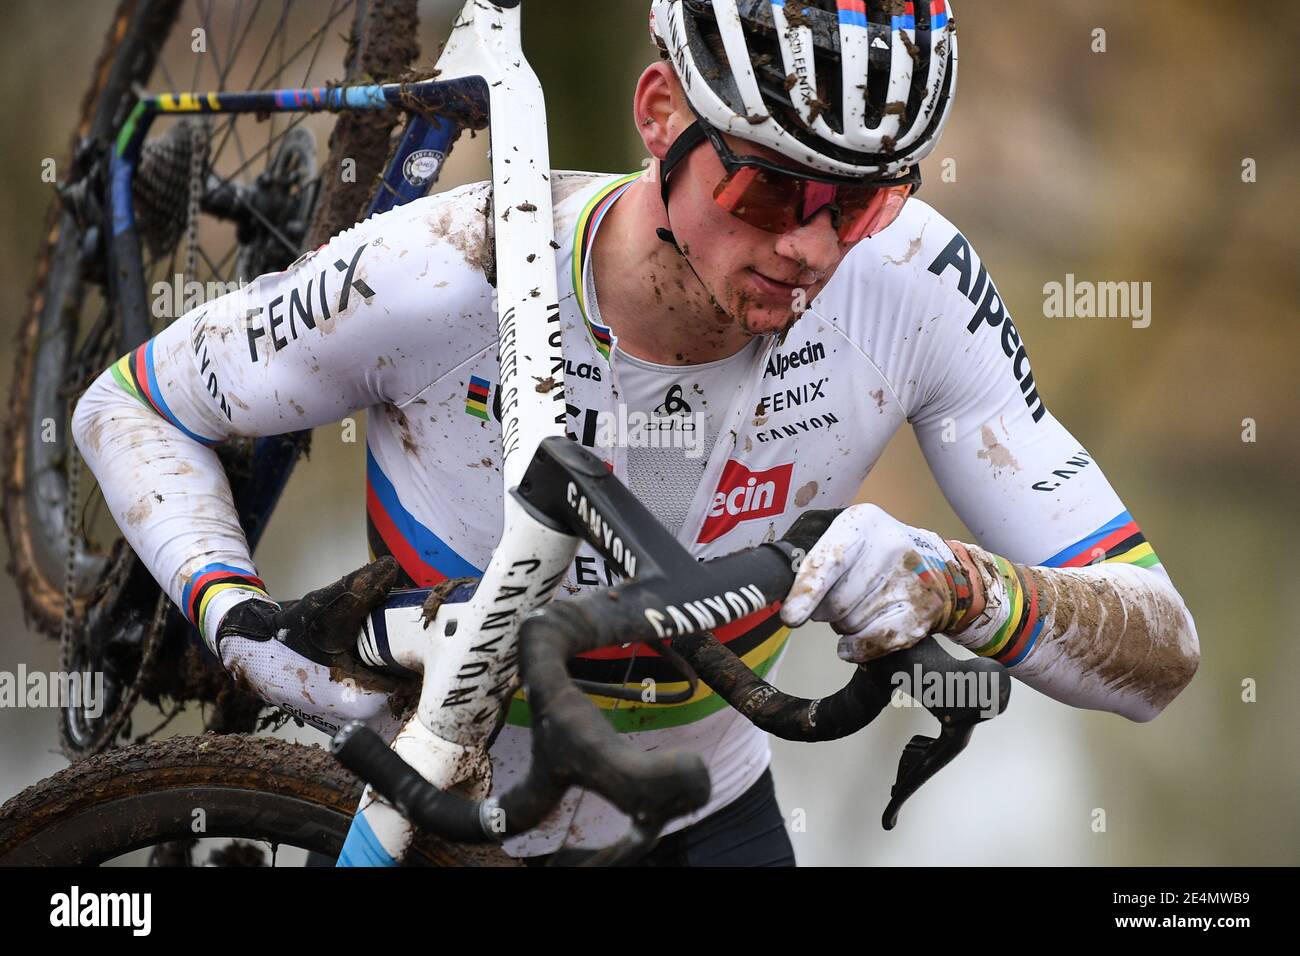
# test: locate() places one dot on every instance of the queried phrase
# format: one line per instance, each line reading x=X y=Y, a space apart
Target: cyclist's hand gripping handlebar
x=672 y=598
x=857 y=703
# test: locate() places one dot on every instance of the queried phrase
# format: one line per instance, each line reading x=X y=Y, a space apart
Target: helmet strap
x=689 y=138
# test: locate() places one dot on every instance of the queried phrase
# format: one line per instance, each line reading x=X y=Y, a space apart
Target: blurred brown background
x=1123 y=165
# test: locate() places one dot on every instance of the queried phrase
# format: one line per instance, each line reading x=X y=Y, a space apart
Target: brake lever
x=923 y=756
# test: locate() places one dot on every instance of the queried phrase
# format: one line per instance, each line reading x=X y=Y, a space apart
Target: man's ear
x=658 y=108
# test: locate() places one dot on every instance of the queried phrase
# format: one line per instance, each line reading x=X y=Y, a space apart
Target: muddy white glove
x=299 y=656
x=881 y=584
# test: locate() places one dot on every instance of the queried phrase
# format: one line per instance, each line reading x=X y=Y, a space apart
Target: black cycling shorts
x=749 y=831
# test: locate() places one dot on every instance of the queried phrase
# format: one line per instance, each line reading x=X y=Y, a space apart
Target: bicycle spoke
x=167 y=75
x=257 y=82
x=317 y=35
x=204 y=256
x=236 y=10
x=248 y=24
x=239 y=143
x=293 y=123
x=229 y=128
x=224 y=262
x=252 y=80
x=271 y=120
x=310 y=63
x=198 y=61
x=213 y=48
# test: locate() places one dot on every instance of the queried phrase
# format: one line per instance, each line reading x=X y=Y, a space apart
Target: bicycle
x=556 y=495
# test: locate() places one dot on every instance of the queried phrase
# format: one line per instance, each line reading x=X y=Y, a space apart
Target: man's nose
x=815 y=244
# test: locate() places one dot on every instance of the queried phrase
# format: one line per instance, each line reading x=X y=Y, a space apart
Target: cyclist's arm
x=1113 y=635
x=372 y=317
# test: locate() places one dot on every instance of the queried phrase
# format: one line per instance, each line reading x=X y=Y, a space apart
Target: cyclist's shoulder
x=473 y=201
x=920 y=268
x=907 y=299
x=461 y=217
x=575 y=185
x=457 y=220
x=903 y=261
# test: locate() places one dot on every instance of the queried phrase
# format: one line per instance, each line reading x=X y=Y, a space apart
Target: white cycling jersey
x=396 y=316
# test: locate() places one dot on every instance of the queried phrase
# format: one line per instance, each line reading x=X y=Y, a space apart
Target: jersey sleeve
x=1099 y=625
x=922 y=305
x=372 y=317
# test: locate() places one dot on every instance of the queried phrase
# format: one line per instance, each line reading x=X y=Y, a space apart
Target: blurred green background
x=1123 y=165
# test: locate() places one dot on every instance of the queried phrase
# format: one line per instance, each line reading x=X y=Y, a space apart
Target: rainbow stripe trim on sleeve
x=1119 y=540
x=426 y=558
x=134 y=373
x=1018 y=634
x=583 y=235
x=208 y=581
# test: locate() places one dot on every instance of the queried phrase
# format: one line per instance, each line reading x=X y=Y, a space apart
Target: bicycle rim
x=254 y=789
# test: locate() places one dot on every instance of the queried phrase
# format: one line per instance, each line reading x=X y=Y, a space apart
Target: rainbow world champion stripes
x=583 y=236
x=476 y=397
x=134 y=374
x=932 y=570
x=210 y=580
x=1118 y=541
x=1019 y=632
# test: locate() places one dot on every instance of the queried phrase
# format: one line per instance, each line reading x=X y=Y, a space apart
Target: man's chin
x=769 y=321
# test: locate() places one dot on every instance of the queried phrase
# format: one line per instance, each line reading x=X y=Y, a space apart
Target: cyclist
x=772 y=304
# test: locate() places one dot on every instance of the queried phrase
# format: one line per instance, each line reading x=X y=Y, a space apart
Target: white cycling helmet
x=850 y=88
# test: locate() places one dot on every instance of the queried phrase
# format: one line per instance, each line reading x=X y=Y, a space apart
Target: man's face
x=761 y=280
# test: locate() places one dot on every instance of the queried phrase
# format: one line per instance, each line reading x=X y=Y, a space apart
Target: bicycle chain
x=73 y=468
x=198 y=164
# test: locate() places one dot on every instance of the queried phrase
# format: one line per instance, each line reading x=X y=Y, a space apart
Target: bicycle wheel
x=170 y=792
x=68 y=335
